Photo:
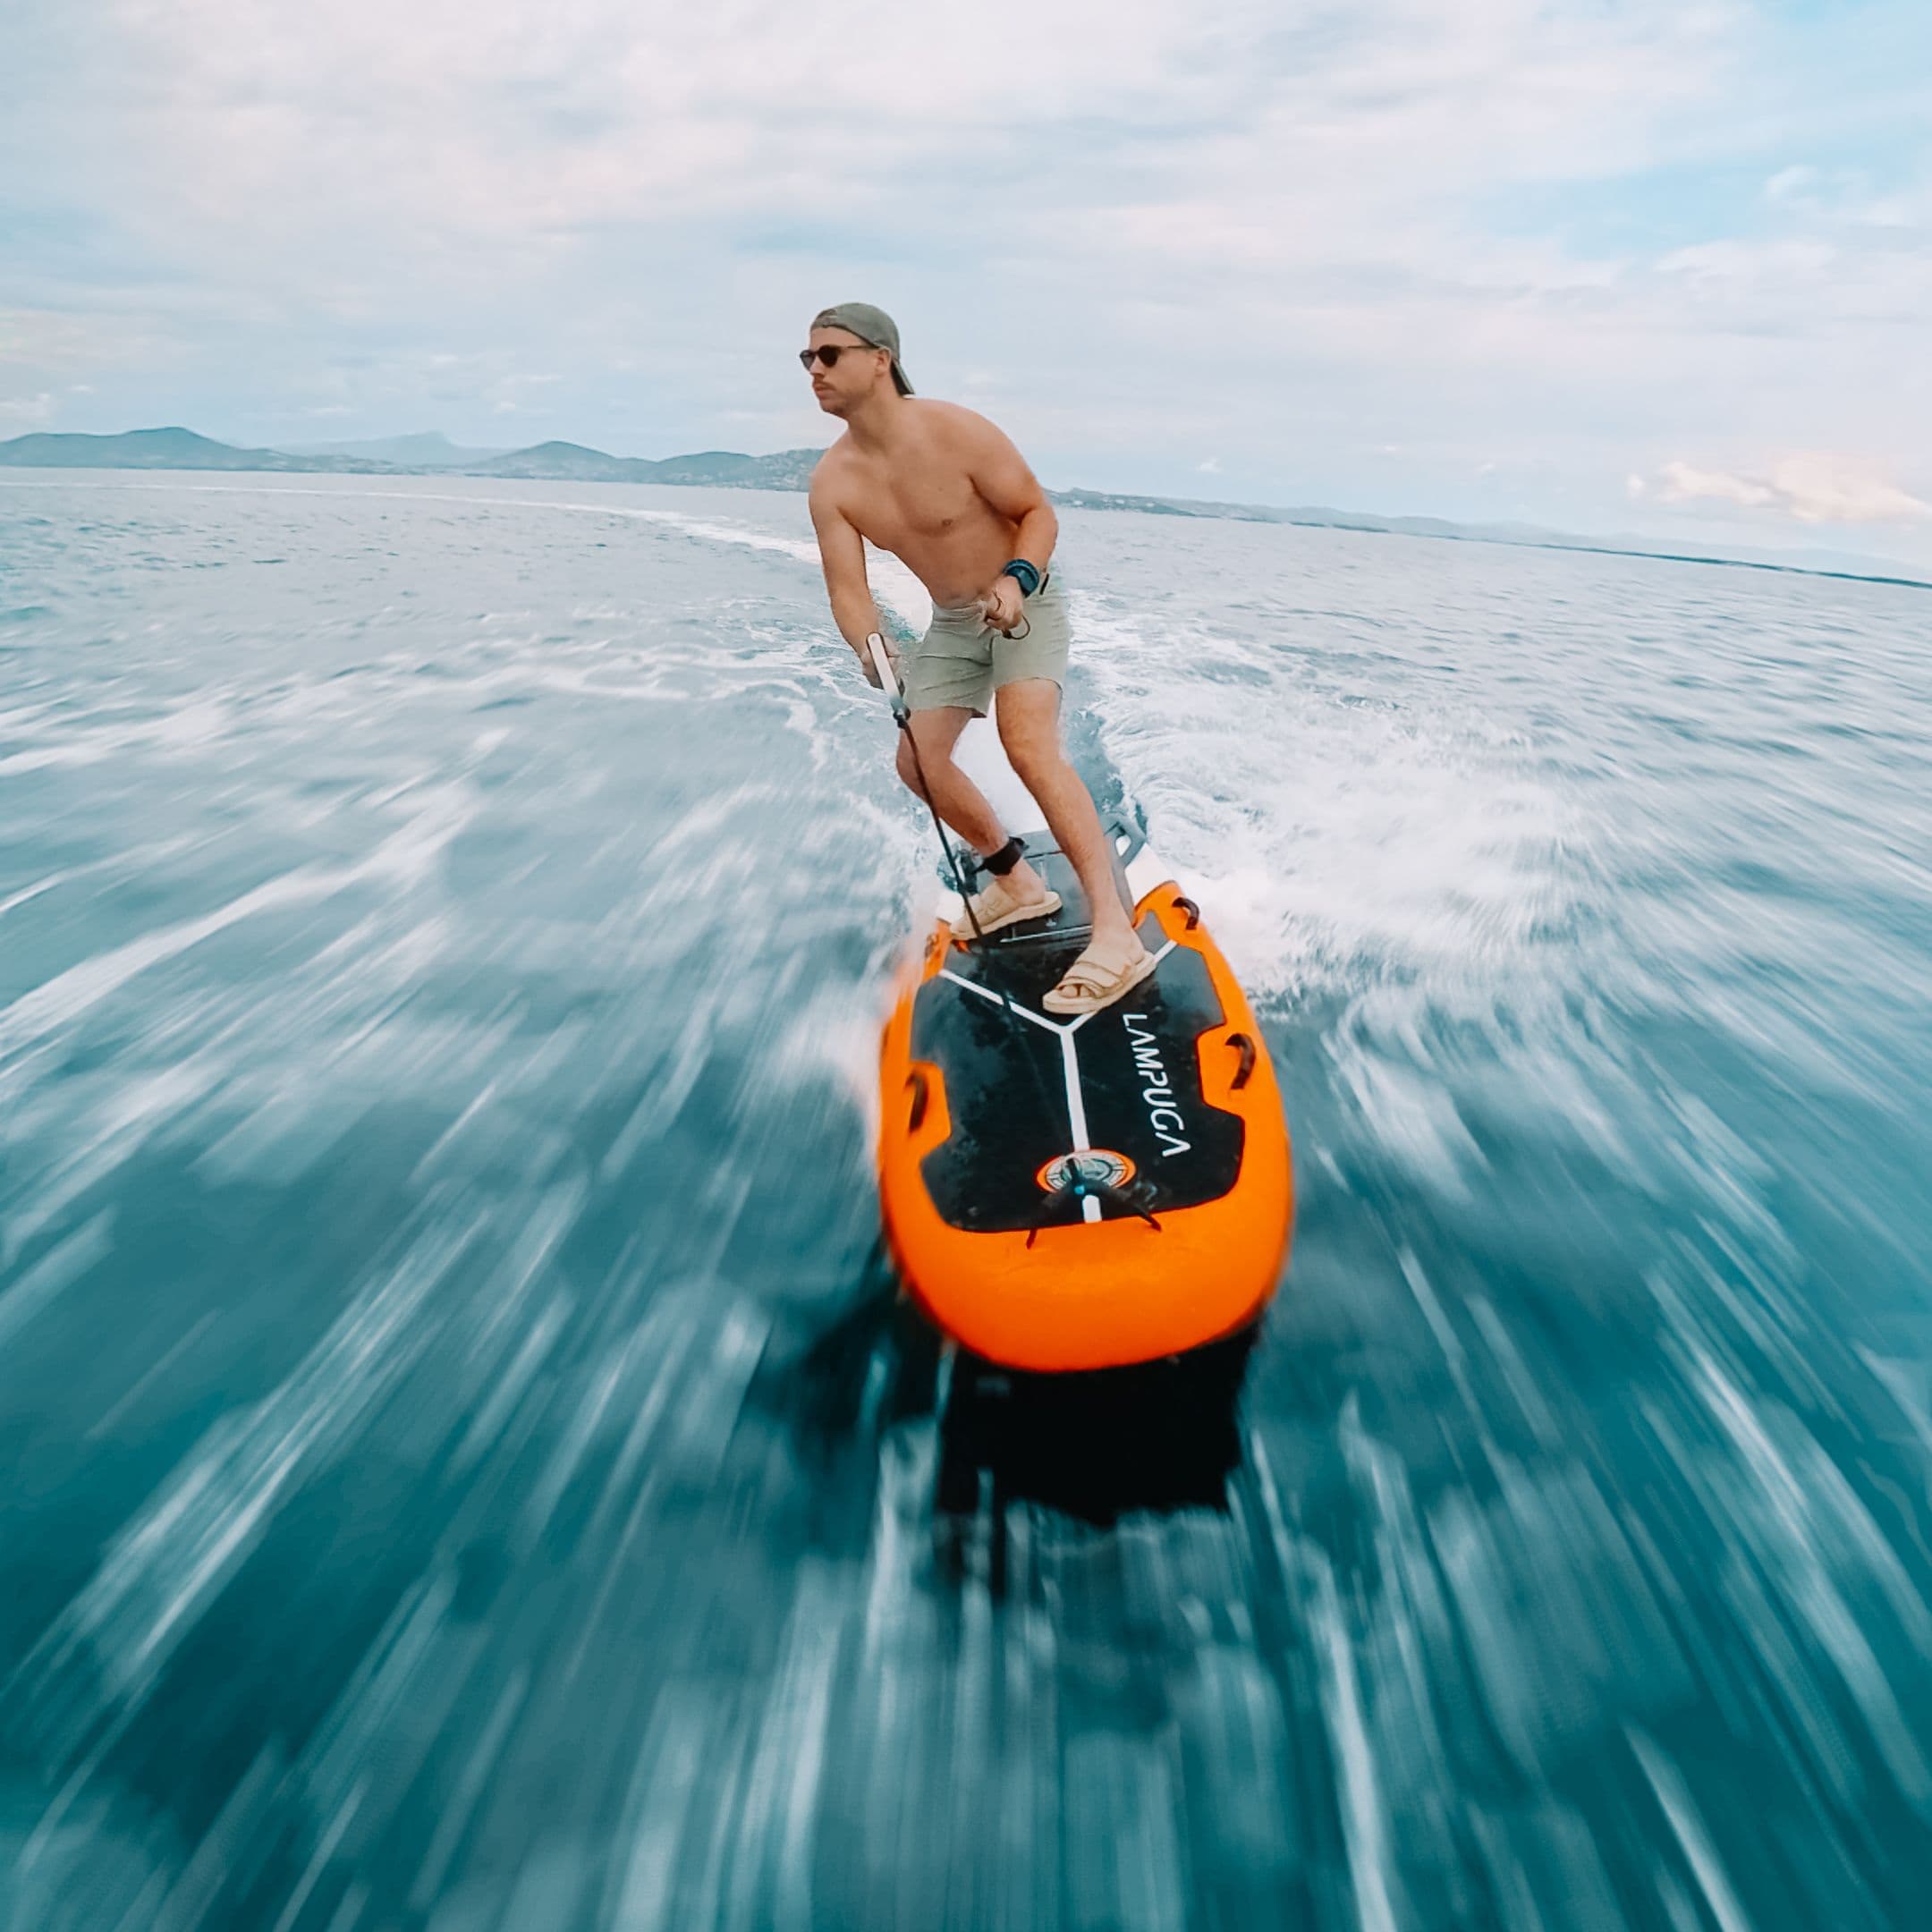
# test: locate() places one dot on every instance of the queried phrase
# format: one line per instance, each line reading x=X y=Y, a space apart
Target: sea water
x=463 y=1467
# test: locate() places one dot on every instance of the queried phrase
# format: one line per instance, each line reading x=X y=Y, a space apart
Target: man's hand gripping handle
x=882 y=667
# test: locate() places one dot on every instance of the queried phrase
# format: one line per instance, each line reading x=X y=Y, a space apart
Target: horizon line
x=1306 y=516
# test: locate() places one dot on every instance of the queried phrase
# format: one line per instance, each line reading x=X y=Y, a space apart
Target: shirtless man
x=950 y=496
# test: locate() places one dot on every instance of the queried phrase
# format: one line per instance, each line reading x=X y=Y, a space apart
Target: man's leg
x=955 y=797
x=1029 y=714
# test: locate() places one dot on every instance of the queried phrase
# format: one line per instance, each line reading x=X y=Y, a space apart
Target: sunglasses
x=831 y=352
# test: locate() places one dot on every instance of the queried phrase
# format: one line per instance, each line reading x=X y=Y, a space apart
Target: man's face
x=857 y=369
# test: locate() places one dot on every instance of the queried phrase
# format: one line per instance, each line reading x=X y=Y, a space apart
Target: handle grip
x=1245 y=1047
x=882 y=663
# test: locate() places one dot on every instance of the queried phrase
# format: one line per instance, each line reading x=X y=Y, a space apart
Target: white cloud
x=1842 y=197
x=60 y=342
x=1811 y=488
x=1682 y=482
x=511 y=395
x=485 y=127
x=323 y=148
x=32 y=411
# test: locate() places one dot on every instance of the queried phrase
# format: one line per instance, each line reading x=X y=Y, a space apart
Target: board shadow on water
x=1094 y=1446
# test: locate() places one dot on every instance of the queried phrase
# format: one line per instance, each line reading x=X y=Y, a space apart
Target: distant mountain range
x=430 y=450
x=158 y=449
x=788 y=469
x=570 y=462
x=431 y=453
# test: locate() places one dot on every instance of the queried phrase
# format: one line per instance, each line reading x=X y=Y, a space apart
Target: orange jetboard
x=1083 y=1193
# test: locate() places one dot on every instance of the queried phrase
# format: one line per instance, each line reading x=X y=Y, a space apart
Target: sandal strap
x=1091 y=976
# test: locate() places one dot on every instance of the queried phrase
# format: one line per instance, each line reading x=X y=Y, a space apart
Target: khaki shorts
x=959 y=662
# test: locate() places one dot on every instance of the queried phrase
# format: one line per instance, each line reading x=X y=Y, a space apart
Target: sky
x=1653 y=267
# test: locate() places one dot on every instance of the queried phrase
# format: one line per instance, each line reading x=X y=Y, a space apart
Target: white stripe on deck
x=1076 y=1097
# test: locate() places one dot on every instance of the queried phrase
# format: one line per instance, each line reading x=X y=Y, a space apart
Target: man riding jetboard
x=945 y=492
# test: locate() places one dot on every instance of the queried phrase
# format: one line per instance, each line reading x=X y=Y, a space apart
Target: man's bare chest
x=918 y=509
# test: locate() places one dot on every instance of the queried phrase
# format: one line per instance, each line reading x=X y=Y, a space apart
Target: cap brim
x=899 y=379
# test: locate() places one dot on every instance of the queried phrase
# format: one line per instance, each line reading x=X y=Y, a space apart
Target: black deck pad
x=1005 y=1076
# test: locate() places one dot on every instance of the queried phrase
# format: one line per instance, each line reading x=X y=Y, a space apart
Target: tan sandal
x=997 y=907
x=1097 y=979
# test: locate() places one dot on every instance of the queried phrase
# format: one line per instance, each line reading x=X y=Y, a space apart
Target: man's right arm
x=842 y=552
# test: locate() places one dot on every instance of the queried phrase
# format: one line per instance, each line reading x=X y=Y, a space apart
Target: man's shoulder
x=831 y=469
x=831 y=461
x=962 y=432
x=949 y=419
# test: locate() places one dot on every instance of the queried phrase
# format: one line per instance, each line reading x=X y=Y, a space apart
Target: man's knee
x=932 y=761
x=1034 y=755
x=908 y=766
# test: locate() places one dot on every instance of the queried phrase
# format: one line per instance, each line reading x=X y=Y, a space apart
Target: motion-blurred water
x=463 y=1469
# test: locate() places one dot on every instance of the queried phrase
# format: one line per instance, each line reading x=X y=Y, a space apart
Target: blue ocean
x=467 y=1471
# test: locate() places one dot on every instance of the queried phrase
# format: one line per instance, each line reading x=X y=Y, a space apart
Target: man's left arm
x=1001 y=476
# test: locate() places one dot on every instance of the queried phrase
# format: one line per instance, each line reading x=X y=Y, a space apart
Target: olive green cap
x=873 y=326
